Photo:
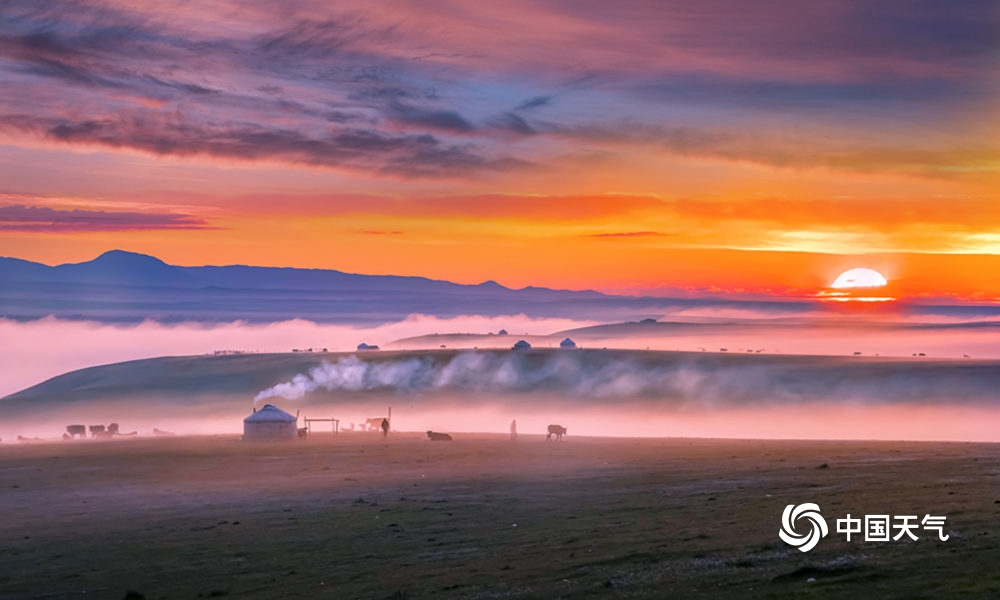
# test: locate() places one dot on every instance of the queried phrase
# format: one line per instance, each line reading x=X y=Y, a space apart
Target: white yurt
x=270 y=423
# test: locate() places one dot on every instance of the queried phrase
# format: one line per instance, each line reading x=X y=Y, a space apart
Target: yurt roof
x=270 y=412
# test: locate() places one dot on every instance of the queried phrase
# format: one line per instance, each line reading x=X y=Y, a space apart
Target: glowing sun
x=859 y=278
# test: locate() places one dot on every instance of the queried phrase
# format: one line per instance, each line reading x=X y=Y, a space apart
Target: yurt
x=567 y=344
x=270 y=423
x=521 y=345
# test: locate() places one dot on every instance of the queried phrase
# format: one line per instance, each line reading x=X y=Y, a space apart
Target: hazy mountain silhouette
x=127 y=287
x=121 y=286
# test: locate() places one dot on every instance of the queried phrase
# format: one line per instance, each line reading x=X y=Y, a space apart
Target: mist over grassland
x=734 y=367
x=34 y=351
x=594 y=392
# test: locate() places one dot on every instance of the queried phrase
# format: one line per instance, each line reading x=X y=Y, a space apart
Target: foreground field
x=356 y=516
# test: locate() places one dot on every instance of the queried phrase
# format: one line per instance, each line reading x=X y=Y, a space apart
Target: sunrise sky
x=637 y=147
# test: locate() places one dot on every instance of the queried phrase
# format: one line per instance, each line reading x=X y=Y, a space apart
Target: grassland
x=356 y=516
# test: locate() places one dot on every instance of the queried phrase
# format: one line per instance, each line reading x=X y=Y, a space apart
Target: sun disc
x=859 y=278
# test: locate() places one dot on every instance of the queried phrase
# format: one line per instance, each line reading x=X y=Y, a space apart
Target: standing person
x=513 y=429
x=385 y=427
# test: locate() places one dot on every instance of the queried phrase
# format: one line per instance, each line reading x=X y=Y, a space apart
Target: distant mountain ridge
x=126 y=287
x=120 y=286
x=118 y=267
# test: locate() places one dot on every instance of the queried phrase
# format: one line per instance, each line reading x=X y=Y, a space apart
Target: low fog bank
x=37 y=350
x=493 y=414
x=980 y=339
x=593 y=392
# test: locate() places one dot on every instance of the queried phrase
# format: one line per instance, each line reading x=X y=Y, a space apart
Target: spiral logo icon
x=807 y=541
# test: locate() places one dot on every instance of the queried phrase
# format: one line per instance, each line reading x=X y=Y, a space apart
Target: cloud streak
x=20 y=217
x=414 y=93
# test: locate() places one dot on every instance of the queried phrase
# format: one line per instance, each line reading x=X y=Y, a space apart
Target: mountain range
x=126 y=287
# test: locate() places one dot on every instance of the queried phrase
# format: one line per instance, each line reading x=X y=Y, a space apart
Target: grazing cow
x=373 y=424
x=438 y=437
x=96 y=430
x=556 y=430
x=76 y=430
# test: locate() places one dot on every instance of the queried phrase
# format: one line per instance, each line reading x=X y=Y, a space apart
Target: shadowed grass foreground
x=354 y=516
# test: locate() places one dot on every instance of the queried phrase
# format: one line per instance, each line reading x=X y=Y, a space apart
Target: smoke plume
x=682 y=379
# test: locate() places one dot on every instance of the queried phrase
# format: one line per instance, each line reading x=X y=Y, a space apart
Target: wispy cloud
x=19 y=217
x=413 y=92
x=627 y=234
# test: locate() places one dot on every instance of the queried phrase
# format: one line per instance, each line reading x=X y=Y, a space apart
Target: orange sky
x=660 y=147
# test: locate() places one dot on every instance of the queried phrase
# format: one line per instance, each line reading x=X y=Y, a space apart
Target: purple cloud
x=20 y=217
x=411 y=91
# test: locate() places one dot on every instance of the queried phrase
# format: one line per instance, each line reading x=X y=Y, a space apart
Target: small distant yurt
x=568 y=344
x=270 y=423
x=502 y=332
x=521 y=345
x=364 y=346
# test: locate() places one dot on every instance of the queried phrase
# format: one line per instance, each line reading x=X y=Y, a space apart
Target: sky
x=628 y=147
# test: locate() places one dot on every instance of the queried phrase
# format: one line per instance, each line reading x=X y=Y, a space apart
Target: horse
x=438 y=437
x=556 y=430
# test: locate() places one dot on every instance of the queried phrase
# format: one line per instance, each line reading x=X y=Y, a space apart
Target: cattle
x=113 y=431
x=373 y=424
x=107 y=433
x=438 y=437
x=556 y=430
x=76 y=430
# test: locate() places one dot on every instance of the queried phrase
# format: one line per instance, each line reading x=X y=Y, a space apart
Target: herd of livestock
x=113 y=430
x=96 y=431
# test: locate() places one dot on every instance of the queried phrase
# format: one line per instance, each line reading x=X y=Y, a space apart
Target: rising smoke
x=682 y=379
